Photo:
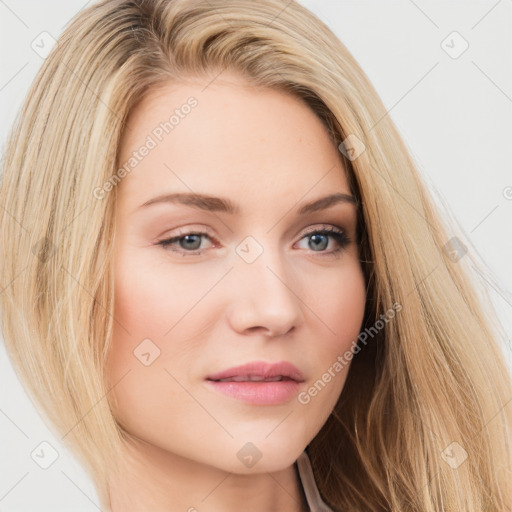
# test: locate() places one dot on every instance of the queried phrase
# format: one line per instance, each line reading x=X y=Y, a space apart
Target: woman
x=225 y=282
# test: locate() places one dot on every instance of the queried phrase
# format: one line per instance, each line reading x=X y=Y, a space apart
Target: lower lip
x=258 y=393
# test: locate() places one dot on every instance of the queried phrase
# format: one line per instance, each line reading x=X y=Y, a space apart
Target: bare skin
x=204 y=308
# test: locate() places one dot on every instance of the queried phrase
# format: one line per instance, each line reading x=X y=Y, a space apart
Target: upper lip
x=261 y=369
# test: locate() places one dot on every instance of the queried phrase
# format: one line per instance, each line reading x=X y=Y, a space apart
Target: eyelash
x=340 y=236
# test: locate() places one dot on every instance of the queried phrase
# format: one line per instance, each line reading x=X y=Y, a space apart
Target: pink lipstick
x=258 y=382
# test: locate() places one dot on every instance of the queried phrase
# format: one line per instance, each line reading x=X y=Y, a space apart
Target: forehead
x=235 y=140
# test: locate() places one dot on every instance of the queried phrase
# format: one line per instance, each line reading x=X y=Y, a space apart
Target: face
x=249 y=274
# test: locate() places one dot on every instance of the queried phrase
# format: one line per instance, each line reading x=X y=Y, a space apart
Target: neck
x=154 y=479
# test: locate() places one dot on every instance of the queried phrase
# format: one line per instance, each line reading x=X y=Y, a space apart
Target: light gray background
x=454 y=114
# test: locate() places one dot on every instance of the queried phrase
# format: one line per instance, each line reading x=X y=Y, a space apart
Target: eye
x=189 y=244
x=319 y=240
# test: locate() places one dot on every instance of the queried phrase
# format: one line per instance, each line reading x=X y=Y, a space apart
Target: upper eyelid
x=331 y=229
x=325 y=227
x=343 y=239
x=304 y=232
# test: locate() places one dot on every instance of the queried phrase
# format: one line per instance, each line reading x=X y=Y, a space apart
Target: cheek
x=152 y=296
x=158 y=319
x=144 y=310
x=341 y=308
x=341 y=313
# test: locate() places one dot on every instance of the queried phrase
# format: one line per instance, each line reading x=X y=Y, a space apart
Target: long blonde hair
x=428 y=388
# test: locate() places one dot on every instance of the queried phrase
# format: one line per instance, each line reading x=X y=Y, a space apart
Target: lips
x=259 y=371
x=258 y=383
x=253 y=378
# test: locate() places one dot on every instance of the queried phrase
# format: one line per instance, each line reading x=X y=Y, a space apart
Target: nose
x=264 y=301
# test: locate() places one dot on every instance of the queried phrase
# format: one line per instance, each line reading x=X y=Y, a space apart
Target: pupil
x=315 y=237
x=187 y=238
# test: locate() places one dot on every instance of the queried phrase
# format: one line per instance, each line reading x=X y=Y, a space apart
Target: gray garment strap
x=315 y=502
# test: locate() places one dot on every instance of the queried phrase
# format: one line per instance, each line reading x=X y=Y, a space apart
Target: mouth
x=259 y=383
x=253 y=378
x=259 y=371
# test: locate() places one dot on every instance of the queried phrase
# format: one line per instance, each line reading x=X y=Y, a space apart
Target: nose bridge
x=265 y=297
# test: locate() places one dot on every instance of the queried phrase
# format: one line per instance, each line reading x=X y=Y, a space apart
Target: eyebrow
x=218 y=204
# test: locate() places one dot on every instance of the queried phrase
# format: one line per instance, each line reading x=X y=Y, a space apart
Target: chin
x=260 y=457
